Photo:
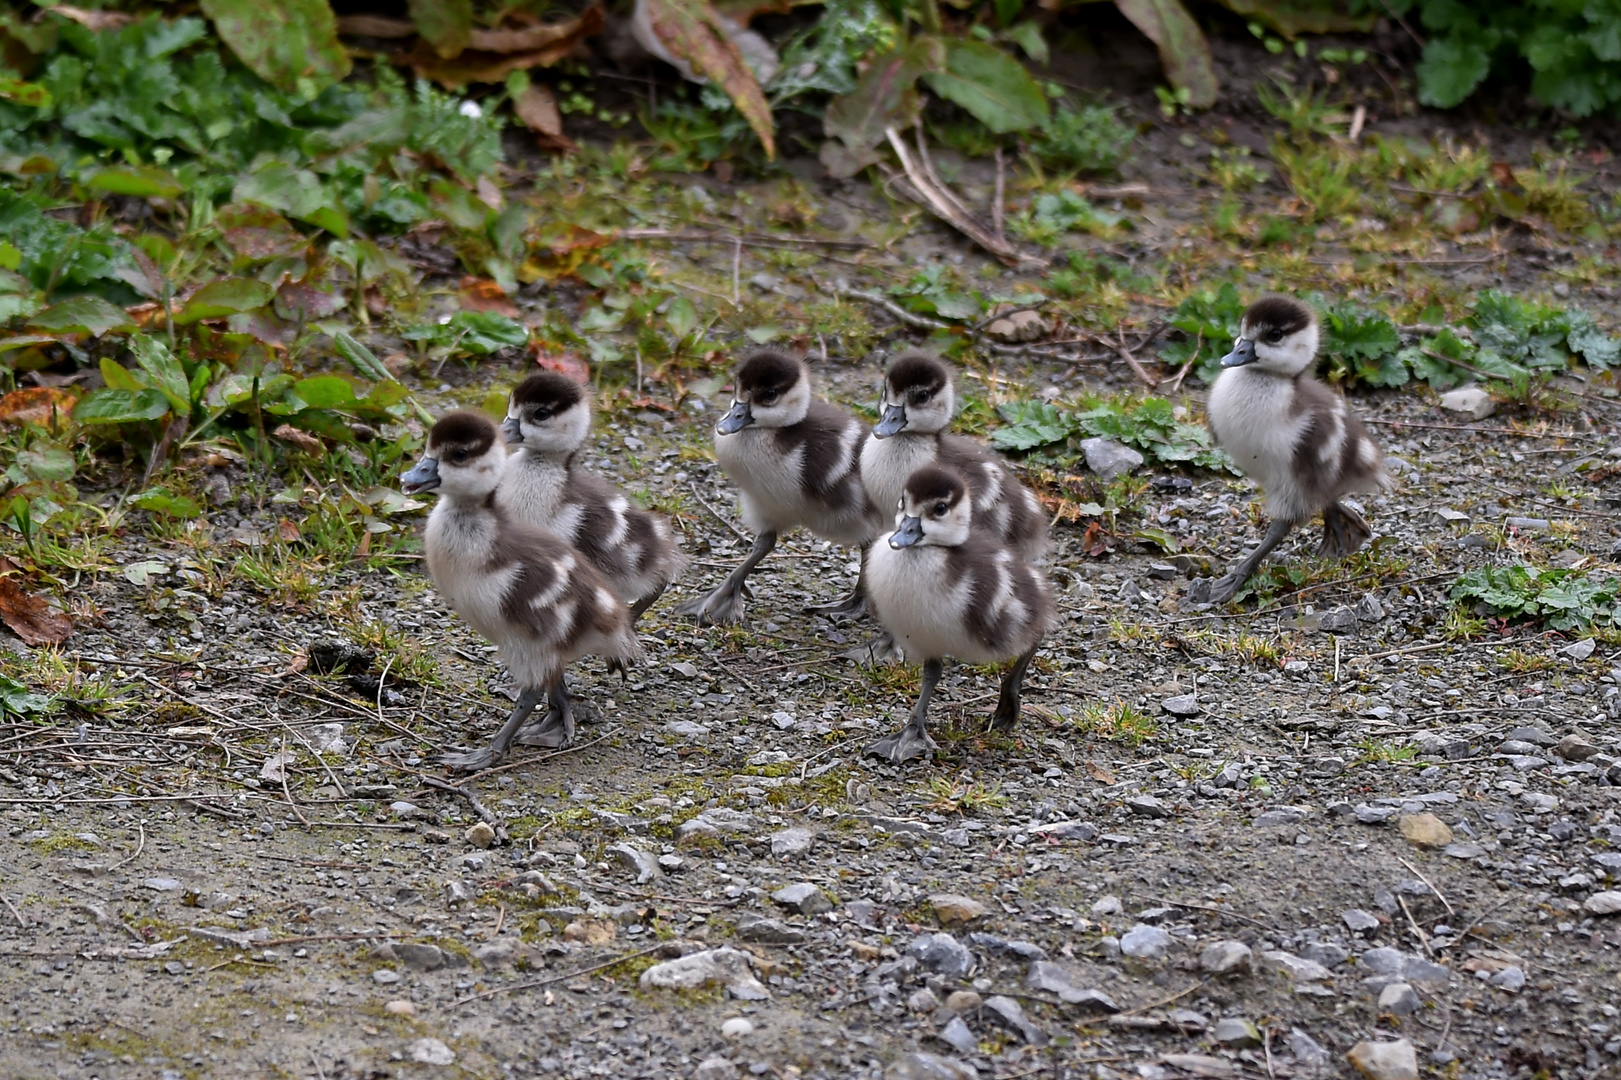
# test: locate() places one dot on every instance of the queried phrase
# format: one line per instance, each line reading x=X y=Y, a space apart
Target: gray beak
x=909 y=533
x=736 y=419
x=424 y=476
x=892 y=422
x=510 y=431
x=1243 y=353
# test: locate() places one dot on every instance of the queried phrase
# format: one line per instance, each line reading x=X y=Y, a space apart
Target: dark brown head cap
x=1284 y=314
x=768 y=371
x=933 y=483
x=548 y=388
x=462 y=430
x=917 y=371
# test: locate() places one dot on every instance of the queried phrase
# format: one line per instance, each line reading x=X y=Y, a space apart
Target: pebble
x=1280 y=816
x=921 y=1066
x=1399 y=999
x=1147 y=806
x=1236 y=1031
x=399 y=1007
x=953 y=910
x=1527 y=524
x=958 y=1036
x=1579 y=650
x=644 y=863
x=1374 y=815
x=736 y=1028
x=420 y=957
x=1056 y=979
x=962 y=1001
x=1183 y=705
x=1296 y=967
x=942 y=954
x=1227 y=958
x=459 y=892
x=923 y=1001
x=1109 y=459
x=672 y=864
x=804 y=898
x=1359 y=921
x=1341 y=620
x=430 y=1052
x=1307 y=1050
x=1424 y=830
x=1010 y=1014
x=727 y=967
x=481 y=835
x=792 y=843
x=715 y=1067
x=1471 y=401
x=1105 y=906
x=1145 y=942
x=1511 y=979
x=385 y=976
x=769 y=932
x=1385 y=1060
x=1575 y=748
x=1603 y=903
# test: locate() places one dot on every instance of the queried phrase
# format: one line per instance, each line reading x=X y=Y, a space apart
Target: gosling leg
x=1007 y=703
x=557 y=730
x=639 y=607
x=725 y=604
x=853 y=605
x=1220 y=590
x=475 y=760
x=1344 y=531
x=912 y=741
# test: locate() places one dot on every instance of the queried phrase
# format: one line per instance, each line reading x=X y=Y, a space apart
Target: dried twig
x=1423 y=938
x=1431 y=884
x=1179 y=995
x=22 y=922
x=140 y=847
x=910 y=318
x=479 y=808
x=923 y=188
x=999 y=206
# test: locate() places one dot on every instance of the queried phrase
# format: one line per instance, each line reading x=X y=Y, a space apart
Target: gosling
x=1290 y=434
x=536 y=598
x=794 y=460
x=917 y=406
x=943 y=587
x=548 y=420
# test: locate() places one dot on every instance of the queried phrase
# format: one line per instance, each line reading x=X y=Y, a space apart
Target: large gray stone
x=1469 y=401
x=804 y=898
x=1236 y=1031
x=1010 y=1014
x=1385 y=1060
x=1110 y=459
x=1603 y=903
x=1226 y=958
x=1056 y=979
x=727 y=967
x=791 y=843
x=1399 y=999
x=943 y=954
x=1144 y=942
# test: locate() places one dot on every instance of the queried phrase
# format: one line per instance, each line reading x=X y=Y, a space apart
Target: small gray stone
x=1424 y=973
x=1325 y=768
x=385 y=976
x=1382 y=961
x=1183 y=705
x=495 y=953
x=1374 y=815
x=671 y=864
x=1385 y=1060
x=1280 y=816
x=737 y=1027
x=1360 y=921
x=1603 y=903
x=460 y=892
x=792 y=843
x=1511 y=979
x=1295 y=967
x=1526 y=733
x=1368 y=609
x=954 y=910
x=1110 y=459
x=1578 y=650
x=1341 y=620
x=1463 y=851
x=1399 y=999
x=1144 y=942
x=1307 y=1050
x=1010 y=1014
x=430 y=1052
x=1470 y=401
x=923 y=1001
x=162 y=884
x=727 y=967
x=1056 y=979
x=921 y=1066
x=1104 y=906
x=943 y=954
x=1236 y=1031
x=715 y=1067
x=768 y=932
x=420 y=957
x=957 y=1036
x=1528 y=524
x=1575 y=748
x=1147 y=806
x=1226 y=958
x=804 y=898
x=644 y=863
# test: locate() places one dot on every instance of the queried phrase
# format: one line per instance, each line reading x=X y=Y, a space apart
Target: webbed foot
x=1213 y=590
x=1344 y=531
x=554 y=732
x=471 y=761
x=881 y=649
x=719 y=608
x=907 y=744
x=854 y=605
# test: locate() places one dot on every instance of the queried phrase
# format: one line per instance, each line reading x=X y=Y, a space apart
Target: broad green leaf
x=361 y=358
x=325 y=392
x=120 y=406
x=160 y=501
x=692 y=31
x=444 y=24
x=142 y=573
x=1450 y=70
x=1592 y=344
x=1291 y=18
x=117 y=377
x=30 y=94
x=17 y=700
x=991 y=85
x=82 y=315
x=50 y=464
x=1027 y=36
x=886 y=97
x=291 y=44
x=1183 y=51
x=227 y=296
x=141 y=181
x=163 y=372
x=296 y=192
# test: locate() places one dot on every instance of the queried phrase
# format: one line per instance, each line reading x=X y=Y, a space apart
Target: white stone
x=736 y=1028
x=1385 y=1060
x=430 y=1052
x=1471 y=401
x=1603 y=903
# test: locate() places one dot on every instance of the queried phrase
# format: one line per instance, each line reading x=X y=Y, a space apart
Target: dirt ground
x=1229 y=896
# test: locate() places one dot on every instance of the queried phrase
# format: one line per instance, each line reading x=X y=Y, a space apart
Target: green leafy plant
x=1558 y=599
x=1150 y=424
x=1052 y=214
x=1088 y=139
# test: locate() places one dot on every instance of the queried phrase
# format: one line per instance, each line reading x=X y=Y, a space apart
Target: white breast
x=917 y=602
x=457 y=550
x=1250 y=414
x=531 y=491
x=886 y=465
x=770 y=483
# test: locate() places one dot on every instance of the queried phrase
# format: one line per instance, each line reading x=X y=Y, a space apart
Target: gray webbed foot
x=719 y=608
x=1213 y=590
x=554 y=732
x=881 y=649
x=1344 y=532
x=854 y=606
x=471 y=761
x=907 y=744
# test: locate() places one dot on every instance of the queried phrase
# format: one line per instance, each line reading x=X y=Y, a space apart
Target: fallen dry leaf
x=557 y=249
x=537 y=108
x=495 y=54
x=535 y=35
x=1099 y=773
x=287 y=531
x=93 y=20
x=377 y=26
x=36 y=405
x=30 y=617
x=482 y=294
x=490 y=195
x=563 y=363
x=301 y=439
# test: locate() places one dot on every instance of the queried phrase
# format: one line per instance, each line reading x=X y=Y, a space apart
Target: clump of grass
x=1120 y=722
x=1379 y=751
x=963 y=796
x=1521 y=662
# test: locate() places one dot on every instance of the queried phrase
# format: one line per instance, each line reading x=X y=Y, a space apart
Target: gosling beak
x=1243 y=353
x=510 y=431
x=424 y=476
x=736 y=419
x=908 y=533
x=892 y=422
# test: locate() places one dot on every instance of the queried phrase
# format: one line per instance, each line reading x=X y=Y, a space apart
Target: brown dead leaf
x=692 y=31
x=30 y=617
x=301 y=439
x=495 y=54
x=1092 y=541
x=287 y=530
x=482 y=294
x=36 y=405
x=93 y=20
x=537 y=108
x=563 y=363
x=557 y=249
x=1099 y=773
x=146 y=316
x=489 y=194
x=591 y=931
x=363 y=548
x=376 y=26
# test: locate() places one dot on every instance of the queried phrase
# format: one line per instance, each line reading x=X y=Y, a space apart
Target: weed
x=1234 y=170
x=1558 y=599
x=1154 y=425
x=1121 y=722
x=1521 y=662
x=1462 y=625
x=963 y=796
x=1088 y=139
x=1387 y=752
x=1053 y=214
x=1122 y=632
x=1305 y=113
x=1320 y=176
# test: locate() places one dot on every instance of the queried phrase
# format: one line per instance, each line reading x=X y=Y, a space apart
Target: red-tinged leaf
x=301 y=439
x=30 y=617
x=1099 y=773
x=258 y=233
x=564 y=363
x=536 y=106
x=1183 y=50
x=886 y=97
x=284 y=42
x=537 y=35
x=36 y=405
x=300 y=297
x=477 y=64
x=444 y=24
x=286 y=529
x=557 y=250
x=375 y=26
x=691 y=30
x=482 y=294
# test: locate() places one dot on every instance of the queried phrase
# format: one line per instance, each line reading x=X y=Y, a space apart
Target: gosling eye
x=939 y=509
x=541 y=414
x=768 y=400
x=921 y=397
x=458 y=457
x=1274 y=336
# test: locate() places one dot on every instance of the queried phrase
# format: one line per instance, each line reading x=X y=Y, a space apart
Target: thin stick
x=320 y=1073
x=1478 y=919
x=717 y=515
x=299 y=814
x=533 y=984
x=140 y=847
x=999 y=206
x=910 y=318
x=921 y=188
x=22 y=922
x=1423 y=938
x=479 y=808
x=1431 y=884
x=737 y=270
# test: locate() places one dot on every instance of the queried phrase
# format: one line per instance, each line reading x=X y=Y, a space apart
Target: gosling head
x=935 y=509
x=773 y=391
x=918 y=396
x=463 y=459
x=1278 y=335
x=547 y=413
